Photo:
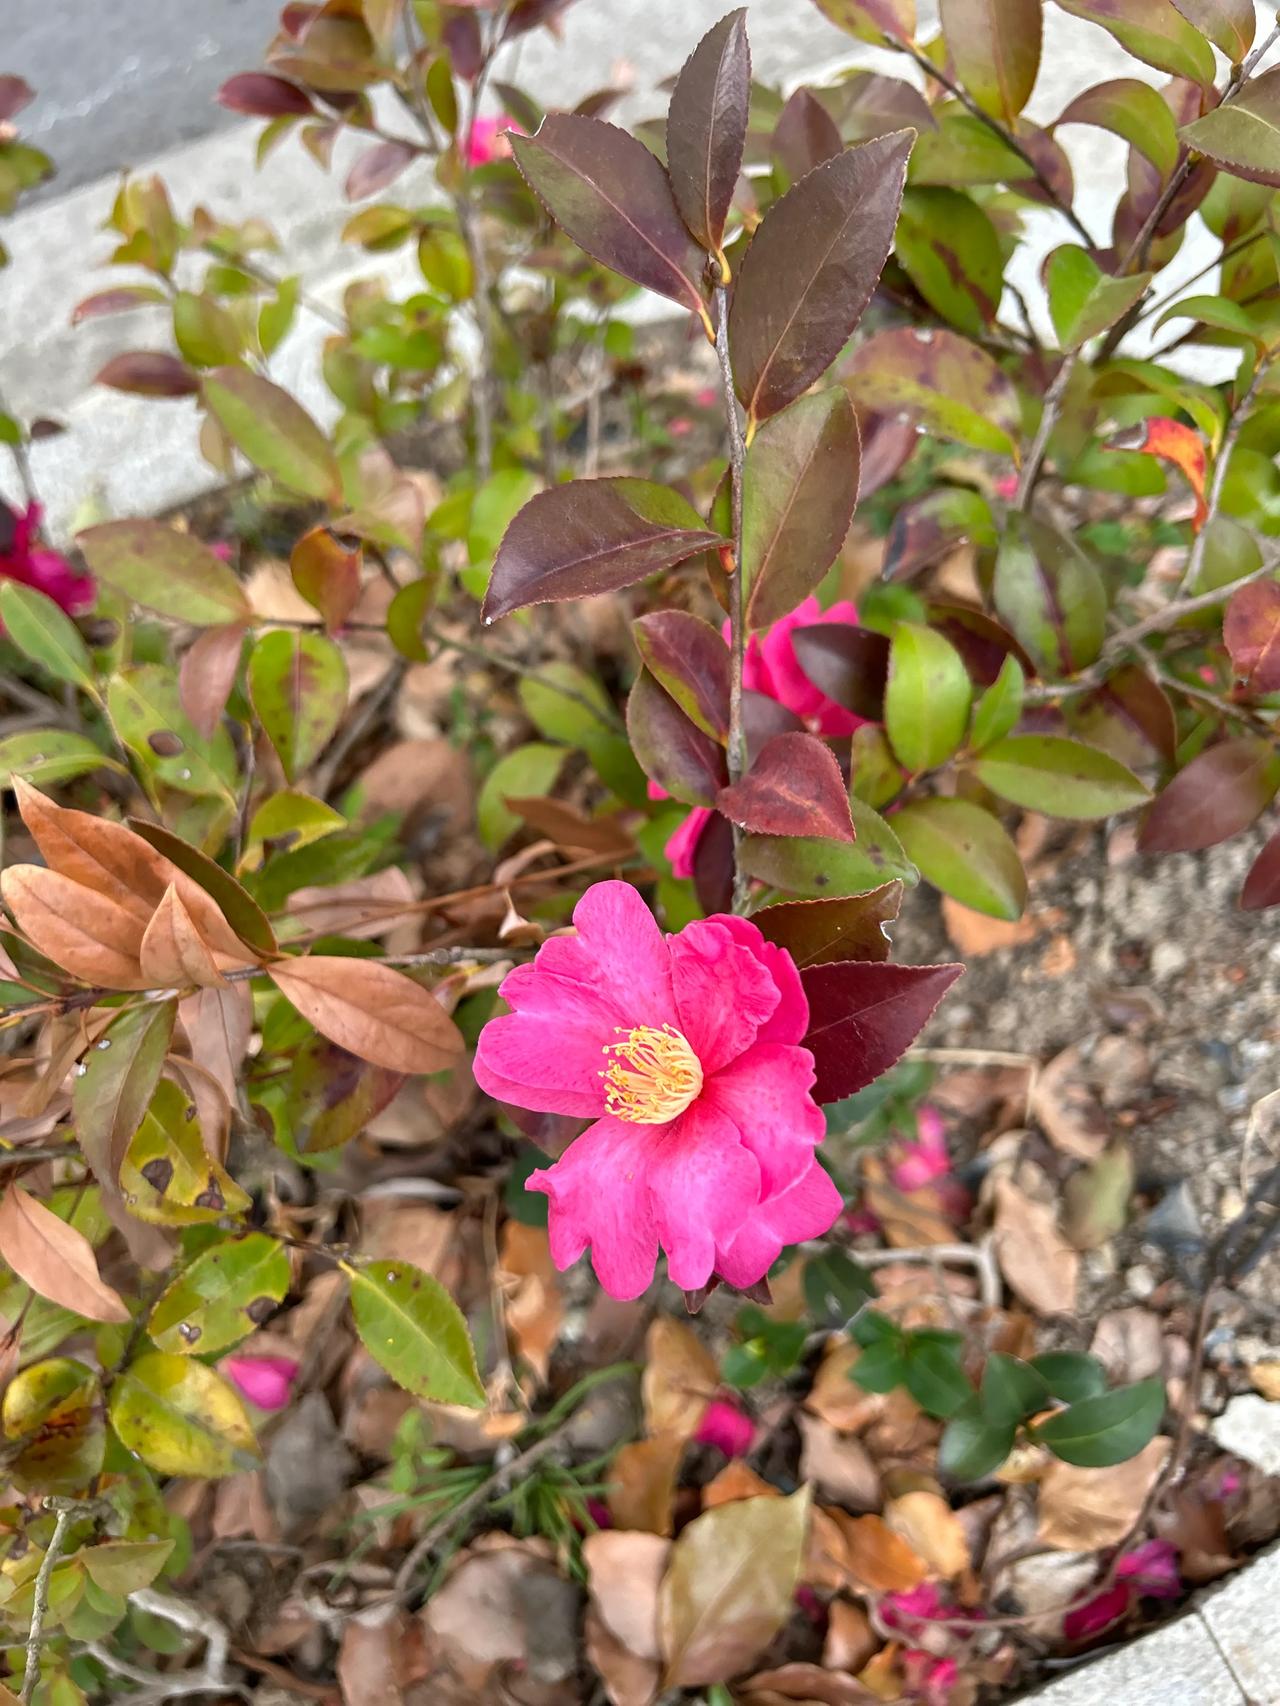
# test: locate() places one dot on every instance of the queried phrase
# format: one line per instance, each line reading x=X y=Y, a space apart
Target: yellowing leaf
x=222 y=1296
x=55 y=1260
x=181 y=1418
x=168 y=1177
x=53 y=1412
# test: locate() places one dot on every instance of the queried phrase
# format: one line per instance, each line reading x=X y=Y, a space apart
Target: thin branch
x=994 y=126
x=1054 y=399
x=67 y=1511
x=980 y=1257
x=21 y=461
x=1235 y=422
x=737 y=610
x=1147 y=309
x=372 y=705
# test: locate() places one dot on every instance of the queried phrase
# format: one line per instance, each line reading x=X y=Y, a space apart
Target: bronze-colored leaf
x=810 y=271
x=793 y=788
x=54 y=1258
x=707 y=127
x=173 y=951
x=679 y=1380
x=207 y=674
x=81 y=931
x=372 y=1010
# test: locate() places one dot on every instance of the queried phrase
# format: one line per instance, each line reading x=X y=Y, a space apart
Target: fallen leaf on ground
x=1083 y=1509
x=907 y=1218
x=838 y=1464
x=534 y=1298
x=624 y=1573
x=851 y=1640
x=876 y=1558
x=1066 y=1108
x=973 y=934
x=642 y=1483
x=736 y=1481
x=680 y=1378
x=931 y=1528
x=807 y=1683
x=628 y=1679
x=834 y=1396
x=1130 y=1344
x=1039 y=1264
x=729 y=1587
x=1265 y=1377
x=1095 y=1199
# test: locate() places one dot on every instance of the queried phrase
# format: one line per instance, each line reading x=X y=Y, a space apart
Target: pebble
x=1167 y=960
x=1250 y=1427
x=1141 y=1281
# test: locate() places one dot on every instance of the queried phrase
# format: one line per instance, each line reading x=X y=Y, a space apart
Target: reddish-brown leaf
x=863 y=1017
x=849 y=664
x=56 y=1261
x=613 y=197
x=149 y=373
x=707 y=127
x=327 y=574
x=1262 y=885
x=793 y=788
x=673 y=751
x=207 y=674
x=81 y=931
x=691 y=661
x=377 y=167
x=15 y=93
x=1251 y=632
x=372 y=1010
x=810 y=271
x=173 y=951
x=1222 y=791
x=825 y=932
x=805 y=134
x=261 y=95
x=588 y=537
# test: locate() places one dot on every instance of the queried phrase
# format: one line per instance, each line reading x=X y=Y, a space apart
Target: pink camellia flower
x=726 y=1426
x=684 y=1052
x=23 y=559
x=1150 y=1571
x=265 y=1381
x=486 y=141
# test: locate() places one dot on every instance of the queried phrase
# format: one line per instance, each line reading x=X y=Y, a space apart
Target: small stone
x=1250 y=1427
x=1141 y=1281
x=1167 y=960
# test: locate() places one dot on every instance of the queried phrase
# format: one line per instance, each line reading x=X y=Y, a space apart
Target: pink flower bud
x=724 y=1425
x=265 y=1381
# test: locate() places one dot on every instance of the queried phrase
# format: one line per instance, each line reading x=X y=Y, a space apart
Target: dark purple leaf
x=1262 y=885
x=691 y=661
x=800 y=492
x=863 y=1017
x=793 y=788
x=887 y=447
x=672 y=751
x=611 y=195
x=805 y=135
x=810 y=270
x=15 y=93
x=763 y=718
x=588 y=537
x=926 y=528
x=261 y=95
x=867 y=104
x=463 y=44
x=121 y=300
x=1229 y=24
x=1222 y=791
x=939 y=380
x=982 y=642
x=149 y=373
x=377 y=167
x=707 y=128
x=1050 y=594
x=828 y=932
x=713 y=865
x=331 y=1095
x=849 y=664
x=1129 y=716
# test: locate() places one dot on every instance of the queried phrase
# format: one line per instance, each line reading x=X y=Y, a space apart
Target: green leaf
x=835 y=1287
x=934 y=1377
x=167 y=571
x=971 y=1447
x=995 y=48
x=1096 y=1432
x=810 y=865
x=999 y=708
x=1011 y=1389
x=949 y=249
x=1070 y=1375
x=1050 y=595
x=412 y=1327
x=1229 y=24
x=1083 y=300
x=220 y=1299
x=289 y=819
x=524 y=773
x=1133 y=111
x=181 y=1418
x=238 y=907
x=110 y=1098
x=873 y=1328
x=52 y=1411
x=205 y=333
x=51 y=755
x=881 y=1366
x=926 y=701
x=274 y=432
x=45 y=633
x=1244 y=136
x=298 y=684
x=1152 y=31
x=945 y=384
x=559 y=717
x=121 y=1567
x=1060 y=777
x=168 y=1176
x=1220 y=313
x=963 y=850
x=145 y=707
x=872 y=20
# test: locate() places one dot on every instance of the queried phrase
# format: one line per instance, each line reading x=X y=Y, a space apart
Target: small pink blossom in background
x=265 y=1381
x=726 y=1426
x=684 y=1051
x=680 y=427
x=926 y=1159
x=23 y=559
x=486 y=142
x=1150 y=1571
x=707 y=398
x=1006 y=487
x=770 y=667
x=599 y=1513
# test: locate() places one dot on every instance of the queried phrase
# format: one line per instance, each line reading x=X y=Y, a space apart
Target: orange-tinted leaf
x=810 y=270
x=1173 y=442
x=793 y=788
x=173 y=951
x=81 y=931
x=877 y=1558
x=207 y=674
x=56 y=1261
x=707 y=127
x=327 y=574
x=1251 y=631
x=995 y=49
x=372 y=1010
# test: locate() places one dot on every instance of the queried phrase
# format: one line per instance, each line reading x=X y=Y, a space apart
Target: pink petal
x=683 y=845
x=918 y=1604
x=1097 y=1614
x=623 y=950
x=790 y=1019
x=1153 y=1569
x=726 y=1427
x=806 y=1209
x=265 y=1381
x=598 y=1196
x=766 y=1093
x=723 y=991
x=703 y=1184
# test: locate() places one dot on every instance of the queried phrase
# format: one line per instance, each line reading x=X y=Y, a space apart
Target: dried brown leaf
x=808 y=1683
x=372 y=1010
x=838 y=1464
x=973 y=934
x=83 y=932
x=931 y=1528
x=218 y=1024
x=54 y=1259
x=174 y=953
x=1063 y=1102
x=1083 y=1510
x=624 y=1573
x=736 y=1481
x=642 y=1483
x=1130 y=1344
x=851 y=1640
x=876 y=1558
x=628 y=1679
x=680 y=1378
x=534 y=1294
x=1039 y=1264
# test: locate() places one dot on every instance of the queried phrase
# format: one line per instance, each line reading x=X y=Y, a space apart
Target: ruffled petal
x=682 y=846
x=807 y=1209
x=704 y=1184
x=598 y=1196
x=789 y=1020
x=724 y=992
x=766 y=1093
x=621 y=949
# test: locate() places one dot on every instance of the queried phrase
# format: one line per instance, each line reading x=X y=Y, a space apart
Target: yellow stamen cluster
x=654 y=1078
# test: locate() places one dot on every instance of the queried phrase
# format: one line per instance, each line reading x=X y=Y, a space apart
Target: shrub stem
x=737 y=607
